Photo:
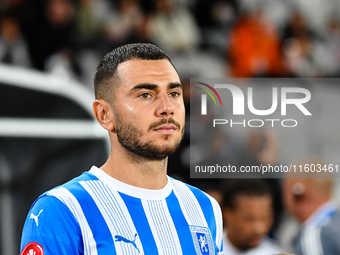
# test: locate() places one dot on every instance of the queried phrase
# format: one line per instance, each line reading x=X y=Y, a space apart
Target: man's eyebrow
x=154 y=86
x=145 y=86
x=174 y=85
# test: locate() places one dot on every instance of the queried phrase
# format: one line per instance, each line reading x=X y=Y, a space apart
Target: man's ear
x=299 y=191
x=103 y=112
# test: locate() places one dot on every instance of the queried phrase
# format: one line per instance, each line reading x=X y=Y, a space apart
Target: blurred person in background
x=173 y=27
x=309 y=53
x=262 y=148
x=215 y=19
x=90 y=17
x=297 y=44
x=125 y=23
x=51 y=38
x=332 y=44
x=254 y=49
x=57 y=41
x=248 y=217
x=309 y=200
x=13 y=47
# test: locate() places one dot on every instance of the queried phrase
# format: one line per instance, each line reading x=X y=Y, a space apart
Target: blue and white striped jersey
x=97 y=214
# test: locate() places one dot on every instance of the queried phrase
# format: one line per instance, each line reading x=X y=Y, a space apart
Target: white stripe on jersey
x=190 y=207
x=90 y=246
x=311 y=241
x=219 y=223
x=116 y=215
x=162 y=227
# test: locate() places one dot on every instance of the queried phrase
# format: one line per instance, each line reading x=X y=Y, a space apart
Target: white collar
x=147 y=194
x=321 y=215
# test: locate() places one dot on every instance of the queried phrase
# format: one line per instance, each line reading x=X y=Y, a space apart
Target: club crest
x=202 y=240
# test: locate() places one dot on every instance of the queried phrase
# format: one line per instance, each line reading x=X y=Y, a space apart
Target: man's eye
x=144 y=95
x=174 y=94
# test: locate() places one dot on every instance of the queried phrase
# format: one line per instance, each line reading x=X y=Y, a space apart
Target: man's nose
x=165 y=107
x=260 y=228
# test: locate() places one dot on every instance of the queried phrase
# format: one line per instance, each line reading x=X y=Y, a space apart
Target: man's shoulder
x=333 y=223
x=200 y=209
x=193 y=195
x=330 y=232
x=74 y=183
x=180 y=186
x=330 y=229
x=67 y=189
x=322 y=238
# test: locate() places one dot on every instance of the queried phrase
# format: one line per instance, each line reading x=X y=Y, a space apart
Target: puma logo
x=123 y=239
x=36 y=217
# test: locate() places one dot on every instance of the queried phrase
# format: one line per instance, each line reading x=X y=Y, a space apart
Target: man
x=129 y=205
x=309 y=200
x=248 y=216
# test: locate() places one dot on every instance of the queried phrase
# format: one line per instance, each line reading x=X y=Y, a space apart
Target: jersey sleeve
x=52 y=226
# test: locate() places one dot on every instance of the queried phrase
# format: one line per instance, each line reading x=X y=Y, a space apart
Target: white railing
x=34 y=80
x=41 y=128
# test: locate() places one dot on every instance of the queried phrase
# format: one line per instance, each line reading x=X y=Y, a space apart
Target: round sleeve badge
x=32 y=249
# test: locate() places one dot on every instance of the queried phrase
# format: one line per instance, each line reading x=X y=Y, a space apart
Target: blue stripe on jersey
x=112 y=211
x=180 y=223
x=207 y=209
x=95 y=219
x=135 y=208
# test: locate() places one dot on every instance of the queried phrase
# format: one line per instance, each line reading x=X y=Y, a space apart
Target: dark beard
x=129 y=137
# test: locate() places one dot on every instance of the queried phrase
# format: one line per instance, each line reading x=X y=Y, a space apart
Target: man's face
x=288 y=195
x=148 y=109
x=249 y=220
x=293 y=191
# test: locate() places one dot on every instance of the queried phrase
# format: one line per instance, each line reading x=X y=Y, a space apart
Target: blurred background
x=49 y=50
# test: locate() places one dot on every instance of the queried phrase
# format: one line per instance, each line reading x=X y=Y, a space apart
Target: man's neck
x=136 y=171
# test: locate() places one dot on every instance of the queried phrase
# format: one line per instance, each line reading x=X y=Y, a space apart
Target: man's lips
x=166 y=128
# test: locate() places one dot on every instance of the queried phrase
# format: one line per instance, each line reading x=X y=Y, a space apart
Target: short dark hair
x=247 y=187
x=106 y=70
